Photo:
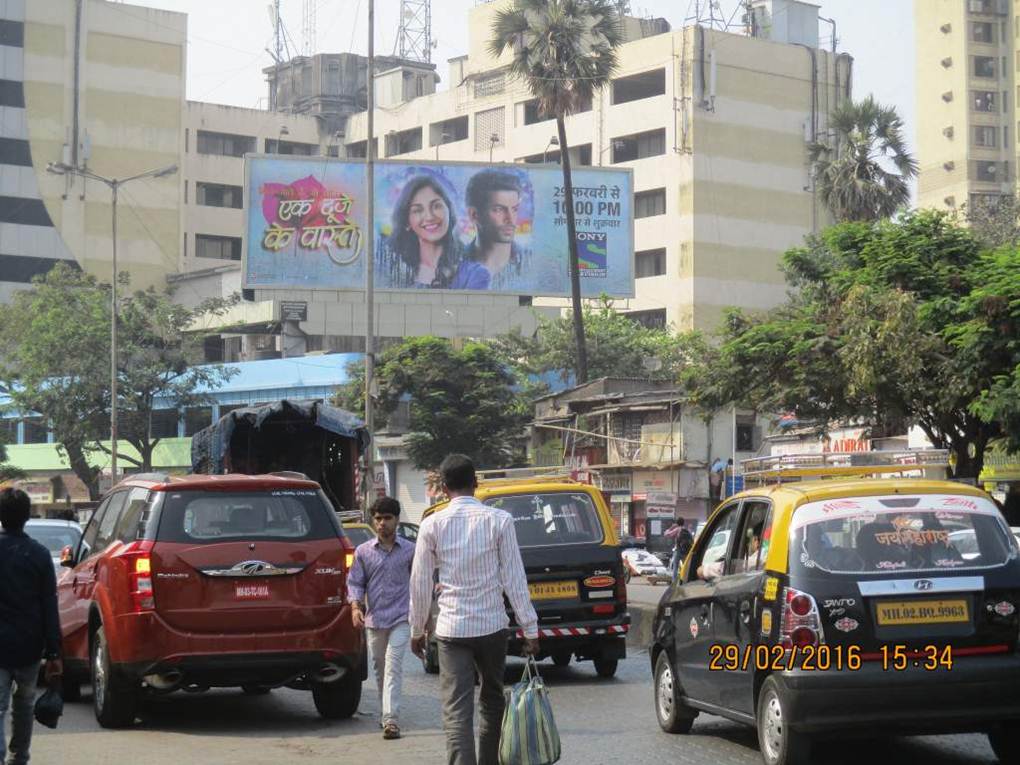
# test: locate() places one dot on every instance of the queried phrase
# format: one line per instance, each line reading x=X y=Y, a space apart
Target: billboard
x=439 y=226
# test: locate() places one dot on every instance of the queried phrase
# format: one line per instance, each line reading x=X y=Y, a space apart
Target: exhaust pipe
x=167 y=681
x=329 y=673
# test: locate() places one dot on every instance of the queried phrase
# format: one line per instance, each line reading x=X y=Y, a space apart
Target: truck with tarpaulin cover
x=311 y=437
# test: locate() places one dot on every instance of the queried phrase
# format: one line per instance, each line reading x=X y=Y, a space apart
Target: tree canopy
x=55 y=361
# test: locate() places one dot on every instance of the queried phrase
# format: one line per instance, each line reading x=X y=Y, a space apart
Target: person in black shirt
x=29 y=624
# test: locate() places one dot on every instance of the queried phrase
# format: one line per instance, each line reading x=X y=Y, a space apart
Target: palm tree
x=865 y=175
x=565 y=50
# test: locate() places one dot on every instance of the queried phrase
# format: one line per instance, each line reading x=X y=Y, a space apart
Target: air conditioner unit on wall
x=947 y=62
x=947 y=96
x=950 y=165
x=946 y=28
x=948 y=131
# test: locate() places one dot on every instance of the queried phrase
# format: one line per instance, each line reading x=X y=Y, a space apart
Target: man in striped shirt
x=378 y=592
x=474 y=547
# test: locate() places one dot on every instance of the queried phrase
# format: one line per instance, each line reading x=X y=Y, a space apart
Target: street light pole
x=114 y=184
x=554 y=141
x=370 y=261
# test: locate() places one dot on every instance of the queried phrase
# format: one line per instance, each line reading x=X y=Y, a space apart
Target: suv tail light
x=348 y=554
x=137 y=559
x=801 y=621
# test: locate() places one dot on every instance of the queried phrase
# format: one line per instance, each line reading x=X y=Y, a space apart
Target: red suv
x=210 y=581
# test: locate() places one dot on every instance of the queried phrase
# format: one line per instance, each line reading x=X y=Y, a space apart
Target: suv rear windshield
x=559 y=518
x=900 y=534
x=200 y=517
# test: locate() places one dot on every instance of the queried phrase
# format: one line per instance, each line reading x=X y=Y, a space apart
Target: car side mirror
x=67 y=557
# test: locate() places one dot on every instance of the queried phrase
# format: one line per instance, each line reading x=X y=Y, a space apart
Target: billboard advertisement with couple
x=445 y=226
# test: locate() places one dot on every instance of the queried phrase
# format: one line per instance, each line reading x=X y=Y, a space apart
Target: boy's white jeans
x=388 y=647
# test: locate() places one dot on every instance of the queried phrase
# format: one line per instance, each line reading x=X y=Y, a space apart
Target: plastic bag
x=49 y=707
x=529 y=735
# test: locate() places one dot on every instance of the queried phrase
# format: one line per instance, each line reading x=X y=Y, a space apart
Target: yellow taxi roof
x=501 y=486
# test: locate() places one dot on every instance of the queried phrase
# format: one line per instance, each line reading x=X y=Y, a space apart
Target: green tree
x=994 y=223
x=565 y=50
x=8 y=472
x=864 y=170
x=55 y=361
x=884 y=327
x=459 y=401
x=617 y=347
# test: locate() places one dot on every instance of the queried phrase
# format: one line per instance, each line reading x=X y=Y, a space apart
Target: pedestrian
x=379 y=593
x=29 y=624
x=682 y=542
x=715 y=477
x=474 y=547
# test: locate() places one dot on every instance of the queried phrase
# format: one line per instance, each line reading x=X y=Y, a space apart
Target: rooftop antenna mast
x=308 y=28
x=416 y=30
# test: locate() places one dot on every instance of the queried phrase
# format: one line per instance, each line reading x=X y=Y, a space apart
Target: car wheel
x=255 y=690
x=1005 y=743
x=338 y=700
x=430 y=661
x=673 y=715
x=561 y=659
x=115 y=700
x=606 y=667
x=780 y=745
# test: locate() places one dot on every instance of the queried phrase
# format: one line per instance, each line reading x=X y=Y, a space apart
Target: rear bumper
x=588 y=639
x=231 y=670
x=974 y=695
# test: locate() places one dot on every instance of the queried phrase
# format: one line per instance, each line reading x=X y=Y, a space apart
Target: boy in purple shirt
x=379 y=593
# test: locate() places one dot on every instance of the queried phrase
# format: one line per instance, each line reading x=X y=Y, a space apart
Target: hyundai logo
x=924 y=584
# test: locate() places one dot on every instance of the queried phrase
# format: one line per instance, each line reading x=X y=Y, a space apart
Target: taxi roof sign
x=842 y=464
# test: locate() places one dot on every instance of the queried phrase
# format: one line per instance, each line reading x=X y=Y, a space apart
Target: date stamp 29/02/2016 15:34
x=730 y=657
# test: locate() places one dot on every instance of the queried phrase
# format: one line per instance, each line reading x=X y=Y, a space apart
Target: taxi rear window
x=927 y=533
x=554 y=518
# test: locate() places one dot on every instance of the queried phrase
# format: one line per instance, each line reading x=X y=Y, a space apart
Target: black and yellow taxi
x=571 y=555
x=847 y=604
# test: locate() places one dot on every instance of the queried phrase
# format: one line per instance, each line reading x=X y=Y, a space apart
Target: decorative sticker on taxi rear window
x=771 y=588
x=294 y=493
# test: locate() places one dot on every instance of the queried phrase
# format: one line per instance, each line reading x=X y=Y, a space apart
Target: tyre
x=606 y=667
x=672 y=714
x=561 y=659
x=338 y=700
x=1005 y=742
x=430 y=661
x=255 y=690
x=780 y=745
x=115 y=700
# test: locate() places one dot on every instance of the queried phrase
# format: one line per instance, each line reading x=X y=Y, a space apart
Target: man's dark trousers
x=458 y=660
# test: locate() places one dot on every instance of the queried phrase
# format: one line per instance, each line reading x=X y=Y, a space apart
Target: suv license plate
x=922 y=612
x=552 y=590
x=251 y=592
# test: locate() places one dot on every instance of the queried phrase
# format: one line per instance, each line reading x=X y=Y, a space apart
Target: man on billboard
x=493 y=199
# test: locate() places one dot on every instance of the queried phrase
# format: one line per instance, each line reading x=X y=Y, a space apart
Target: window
x=746 y=441
x=985 y=101
x=196 y=418
x=333 y=151
x=533 y=114
x=35 y=430
x=984 y=201
x=133 y=520
x=403 y=142
x=1005 y=136
x=198 y=517
x=490 y=127
x=990 y=172
x=164 y=423
x=291 y=147
x=224 y=144
x=109 y=522
x=448 y=131
x=218 y=195
x=982 y=32
x=985 y=136
x=551 y=519
x=753 y=543
x=710 y=558
x=639 y=146
x=580 y=156
x=491 y=85
x=638 y=86
x=655 y=319
x=649 y=203
x=650 y=263
x=218 y=247
x=983 y=66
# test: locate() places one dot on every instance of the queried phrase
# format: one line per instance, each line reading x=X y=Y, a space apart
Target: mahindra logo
x=924 y=584
x=253 y=567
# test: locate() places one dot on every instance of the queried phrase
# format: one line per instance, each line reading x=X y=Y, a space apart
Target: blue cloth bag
x=529 y=735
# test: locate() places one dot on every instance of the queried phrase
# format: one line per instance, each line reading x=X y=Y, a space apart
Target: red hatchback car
x=210 y=581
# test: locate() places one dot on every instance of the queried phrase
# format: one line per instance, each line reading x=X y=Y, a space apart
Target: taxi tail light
x=138 y=560
x=620 y=590
x=801 y=621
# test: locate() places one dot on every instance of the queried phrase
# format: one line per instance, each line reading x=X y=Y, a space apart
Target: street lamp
x=493 y=140
x=442 y=140
x=60 y=168
x=554 y=141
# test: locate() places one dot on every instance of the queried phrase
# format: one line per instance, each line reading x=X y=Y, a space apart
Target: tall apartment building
x=966 y=101
x=716 y=126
